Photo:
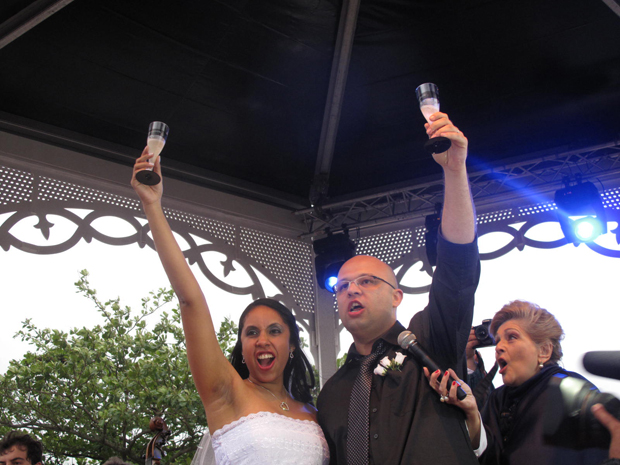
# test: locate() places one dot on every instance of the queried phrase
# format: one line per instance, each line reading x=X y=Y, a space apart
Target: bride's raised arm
x=212 y=373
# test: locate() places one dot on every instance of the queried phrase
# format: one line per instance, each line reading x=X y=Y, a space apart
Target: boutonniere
x=386 y=364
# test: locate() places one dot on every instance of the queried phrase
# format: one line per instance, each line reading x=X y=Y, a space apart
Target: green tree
x=89 y=394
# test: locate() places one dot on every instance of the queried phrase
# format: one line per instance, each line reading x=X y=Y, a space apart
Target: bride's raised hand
x=147 y=194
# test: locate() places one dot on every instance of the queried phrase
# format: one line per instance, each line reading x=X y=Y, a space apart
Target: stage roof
x=243 y=84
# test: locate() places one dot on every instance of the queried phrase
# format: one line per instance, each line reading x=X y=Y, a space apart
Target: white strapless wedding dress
x=269 y=438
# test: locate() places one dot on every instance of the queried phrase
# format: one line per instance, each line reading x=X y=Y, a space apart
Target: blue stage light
x=331 y=281
x=330 y=254
x=587 y=229
x=582 y=200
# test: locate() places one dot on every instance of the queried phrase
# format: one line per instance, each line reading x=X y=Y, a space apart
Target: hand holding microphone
x=408 y=341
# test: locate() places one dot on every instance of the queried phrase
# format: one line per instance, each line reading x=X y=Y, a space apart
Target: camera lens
x=568 y=419
x=481 y=332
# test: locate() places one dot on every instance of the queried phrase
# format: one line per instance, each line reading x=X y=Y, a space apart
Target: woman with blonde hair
x=528 y=350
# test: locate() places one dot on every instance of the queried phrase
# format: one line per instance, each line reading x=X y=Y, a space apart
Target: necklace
x=283 y=404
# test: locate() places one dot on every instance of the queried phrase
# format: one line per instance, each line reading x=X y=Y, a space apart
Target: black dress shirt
x=408 y=423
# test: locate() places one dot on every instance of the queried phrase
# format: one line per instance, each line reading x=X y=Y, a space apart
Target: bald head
x=368 y=311
x=367 y=265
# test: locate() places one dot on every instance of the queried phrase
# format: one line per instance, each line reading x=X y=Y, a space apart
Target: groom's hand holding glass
x=428 y=99
x=441 y=126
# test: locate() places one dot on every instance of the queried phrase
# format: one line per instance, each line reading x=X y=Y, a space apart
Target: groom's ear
x=397 y=297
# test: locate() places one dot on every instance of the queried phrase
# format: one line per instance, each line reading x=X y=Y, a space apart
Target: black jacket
x=513 y=419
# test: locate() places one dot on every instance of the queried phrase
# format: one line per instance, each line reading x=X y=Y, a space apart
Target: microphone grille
x=405 y=339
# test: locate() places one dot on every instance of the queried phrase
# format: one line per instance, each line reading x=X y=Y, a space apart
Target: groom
x=405 y=421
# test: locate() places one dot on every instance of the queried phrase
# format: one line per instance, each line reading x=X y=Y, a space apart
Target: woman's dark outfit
x=514 y=418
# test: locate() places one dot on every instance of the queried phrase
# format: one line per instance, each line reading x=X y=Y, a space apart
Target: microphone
x=408 y=341
x=603 y=363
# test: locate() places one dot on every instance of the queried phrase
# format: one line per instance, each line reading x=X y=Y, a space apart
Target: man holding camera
x=613 y=425
x=480 y=382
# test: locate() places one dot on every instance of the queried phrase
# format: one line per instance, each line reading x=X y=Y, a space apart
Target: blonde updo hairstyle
x=540 y=325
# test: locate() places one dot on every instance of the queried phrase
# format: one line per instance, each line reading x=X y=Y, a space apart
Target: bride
x=258 y=405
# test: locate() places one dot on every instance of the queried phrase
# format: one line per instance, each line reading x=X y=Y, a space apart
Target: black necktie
x=358 y=429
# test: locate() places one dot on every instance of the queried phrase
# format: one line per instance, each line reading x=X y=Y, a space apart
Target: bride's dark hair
x=298 y=374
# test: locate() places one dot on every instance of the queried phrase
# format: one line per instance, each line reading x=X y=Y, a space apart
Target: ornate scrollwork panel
x=285 y=263
x=404 y=249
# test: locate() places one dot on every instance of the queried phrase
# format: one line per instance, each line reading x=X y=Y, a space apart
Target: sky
x=577 y=285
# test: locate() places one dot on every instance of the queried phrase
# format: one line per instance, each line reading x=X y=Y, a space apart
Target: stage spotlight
x=587 y=229
x=330 y=254
x=580 y=211
x=431 y=223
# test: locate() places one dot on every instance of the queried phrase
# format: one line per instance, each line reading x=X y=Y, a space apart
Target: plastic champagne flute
x=428 y=97
x=156 y=139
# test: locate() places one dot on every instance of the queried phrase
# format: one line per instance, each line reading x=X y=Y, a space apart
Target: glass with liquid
x=156 y=139
x=428 y=98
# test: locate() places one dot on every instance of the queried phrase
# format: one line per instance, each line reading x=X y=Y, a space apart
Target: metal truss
x=518 y=180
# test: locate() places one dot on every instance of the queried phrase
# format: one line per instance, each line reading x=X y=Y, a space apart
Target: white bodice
x=270 y=438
